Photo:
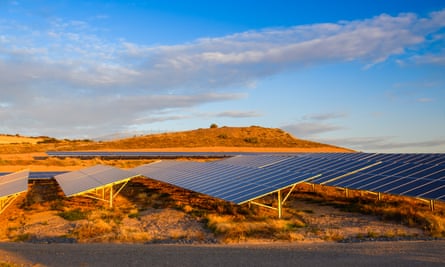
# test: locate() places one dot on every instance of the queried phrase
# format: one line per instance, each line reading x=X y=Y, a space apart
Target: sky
x=367 y=75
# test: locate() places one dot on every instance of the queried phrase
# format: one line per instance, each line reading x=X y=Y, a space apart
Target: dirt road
x=402 y=253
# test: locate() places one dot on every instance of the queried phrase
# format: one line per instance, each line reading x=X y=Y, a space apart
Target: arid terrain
x=149 y=212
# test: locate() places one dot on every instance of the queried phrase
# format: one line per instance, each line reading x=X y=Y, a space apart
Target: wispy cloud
x=425 y=100
x=309 y=129
x=115 y=82
x=238 y=114
x=324 y=116
x=312 y=125
x=387 y=144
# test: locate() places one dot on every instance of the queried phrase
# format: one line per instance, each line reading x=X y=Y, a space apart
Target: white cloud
x=324 y=116
x=309 y=129
x=238 y=114
x=64 y=75
x=387 y=144
x=430 y=59
x=424 y=100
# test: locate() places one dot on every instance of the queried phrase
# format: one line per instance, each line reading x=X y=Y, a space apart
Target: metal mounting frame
x=105 y=193
x=280 y=200
x=6 y=201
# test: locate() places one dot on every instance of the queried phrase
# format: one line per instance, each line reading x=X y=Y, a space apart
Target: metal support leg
x=279 y=205
x=432 y=205
x=379 y=196
x=346 y=193
x=111 y=196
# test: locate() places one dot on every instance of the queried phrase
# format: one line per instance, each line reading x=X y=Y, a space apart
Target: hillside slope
x=224 y=139
x=234 y=137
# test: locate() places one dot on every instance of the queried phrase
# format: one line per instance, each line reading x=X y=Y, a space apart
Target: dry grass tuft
x=404 y=210
x=231 y=229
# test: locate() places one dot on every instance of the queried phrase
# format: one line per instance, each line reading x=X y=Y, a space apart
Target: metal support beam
x=111 y=196
x=288 y=193
x=6 y=201
x=105 y=193
x=432 y=204
x=280 y=199
x=262 y=205
x=353 y=172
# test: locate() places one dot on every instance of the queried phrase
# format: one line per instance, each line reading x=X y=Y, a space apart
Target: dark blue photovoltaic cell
x=248 y=176
x=425 y=188
x=439 y=193
x=229 y=182
x=139 y=155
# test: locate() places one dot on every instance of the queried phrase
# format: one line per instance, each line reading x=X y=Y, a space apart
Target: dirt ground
x=151 y=212
x=402 y=253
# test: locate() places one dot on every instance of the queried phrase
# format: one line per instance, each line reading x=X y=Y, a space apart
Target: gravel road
x=401 y=253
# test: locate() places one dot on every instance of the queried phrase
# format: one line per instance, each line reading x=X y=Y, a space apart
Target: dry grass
x=232 y=229
x=237 y=138
x=17 y=139
x=16 y=156
x=253 y=136
x=404 y=210
x=149 y=211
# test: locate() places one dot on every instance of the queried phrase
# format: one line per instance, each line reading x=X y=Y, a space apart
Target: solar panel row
x=416 y=175
x=39 y=175
x=137 y=155
x=237 y=184
x=246 y=177
x=13 y=183
x=242 y=178
x=77 y=182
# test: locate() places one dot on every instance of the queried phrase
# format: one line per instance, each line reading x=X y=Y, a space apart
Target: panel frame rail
x=7 y=199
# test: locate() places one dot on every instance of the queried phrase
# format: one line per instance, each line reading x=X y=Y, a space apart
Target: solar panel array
x=237 y=184
x=39 y=175
x=138 y=155
x=13 y=183
x=78 y=182
x=246 y=177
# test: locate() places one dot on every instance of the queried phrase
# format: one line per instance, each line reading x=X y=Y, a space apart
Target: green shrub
x=73 y=215
x=251 y=140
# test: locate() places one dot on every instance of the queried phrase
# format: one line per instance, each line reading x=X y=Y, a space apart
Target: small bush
x=22 y=237
x=251 y=140
x=213 y=126
x=73 y=215
x=7 y=264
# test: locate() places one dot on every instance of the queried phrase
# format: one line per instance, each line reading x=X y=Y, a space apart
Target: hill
x=17 y=139
x=238 y=139
x=224 y=138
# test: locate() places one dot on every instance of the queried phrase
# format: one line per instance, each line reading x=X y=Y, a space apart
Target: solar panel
x=246 y=177
x=138 y=155
x=13 y=183
x=231 y=182
x=78 y=182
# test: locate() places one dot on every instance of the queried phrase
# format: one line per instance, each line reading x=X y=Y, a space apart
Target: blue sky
x=368 y=75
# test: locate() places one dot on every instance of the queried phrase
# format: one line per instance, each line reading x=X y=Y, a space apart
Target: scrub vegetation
x=148 y=211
